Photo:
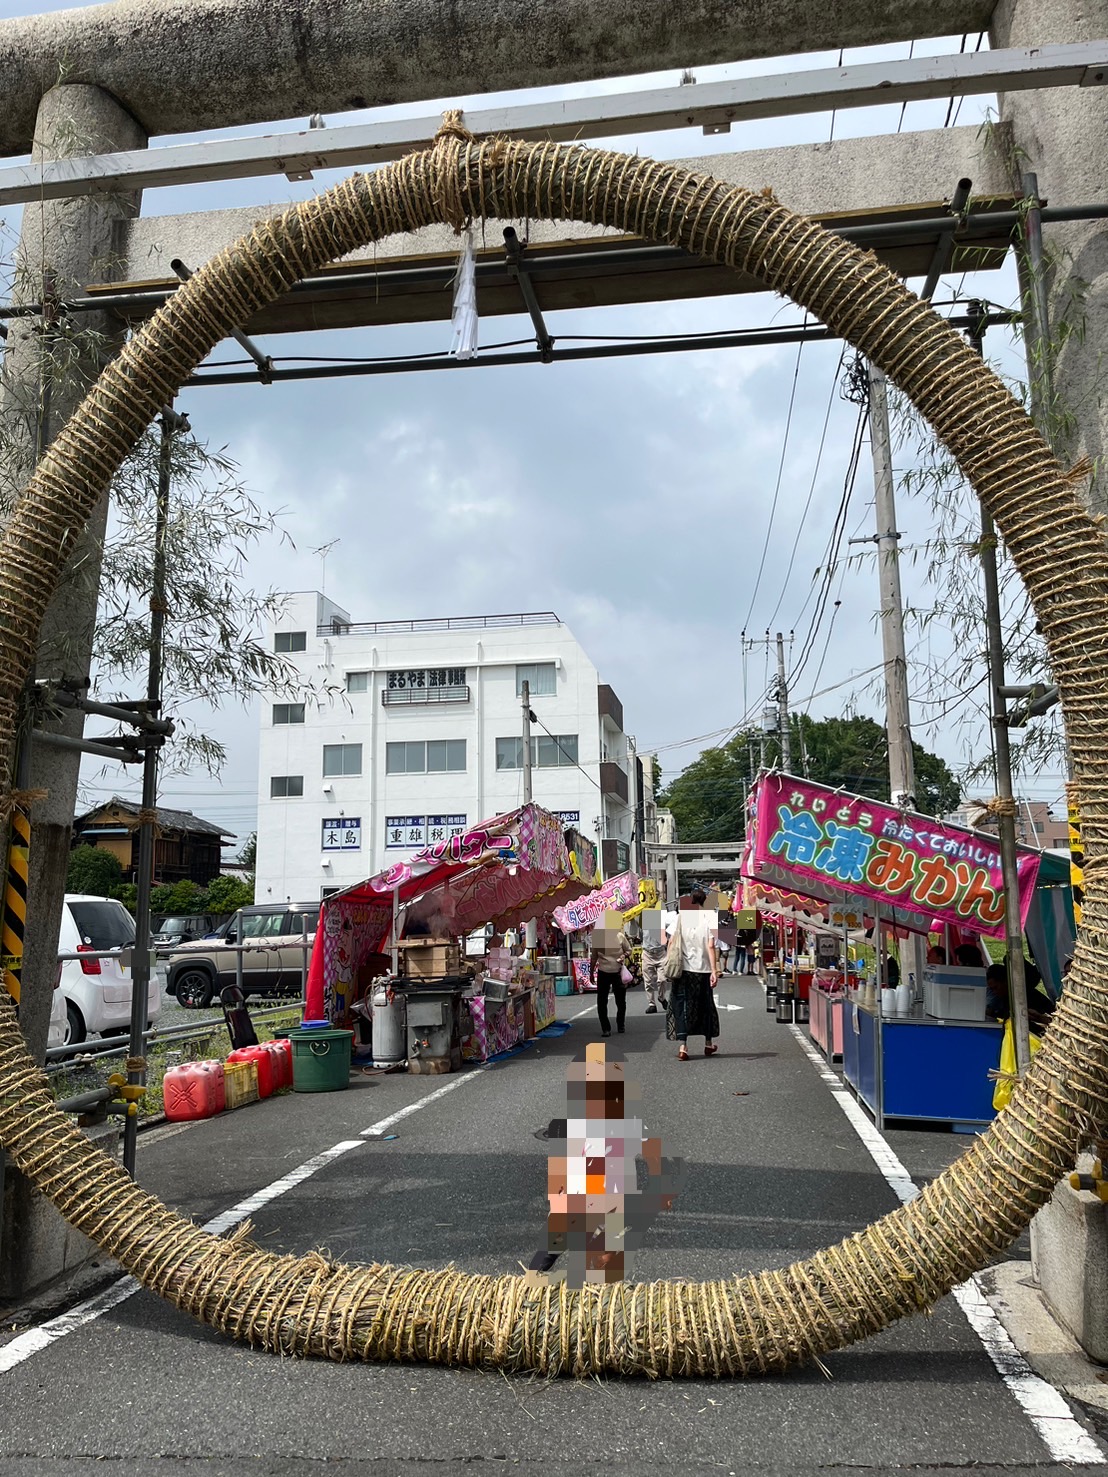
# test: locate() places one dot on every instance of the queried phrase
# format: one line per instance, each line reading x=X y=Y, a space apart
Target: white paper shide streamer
x=463 y=320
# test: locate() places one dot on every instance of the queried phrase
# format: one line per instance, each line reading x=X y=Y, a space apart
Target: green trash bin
x=320 y=1059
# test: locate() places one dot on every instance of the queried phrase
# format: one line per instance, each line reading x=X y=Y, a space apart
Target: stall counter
x=921 y=1068
x=825 y=1022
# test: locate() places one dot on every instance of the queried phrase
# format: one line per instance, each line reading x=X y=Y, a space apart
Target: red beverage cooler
x=193 y=1090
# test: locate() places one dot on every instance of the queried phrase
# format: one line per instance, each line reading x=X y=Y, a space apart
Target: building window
x=435 y=756
x=286 y=786
x=288 y=713
x=542 y=678
x=446 y=756
x=342 y=759
x=357 y=681
x=548 y=751
x=290 y=641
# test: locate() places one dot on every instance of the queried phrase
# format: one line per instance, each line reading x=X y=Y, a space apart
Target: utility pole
x=902 y=769
x=526 y=742
x=172 y=425
x=1006 y=805
x=783 y=707
x=898 y=720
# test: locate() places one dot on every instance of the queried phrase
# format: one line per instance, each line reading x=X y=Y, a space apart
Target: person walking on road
x=609 y=956
x=744 y=950
x=692 y=1007
x=653 y=957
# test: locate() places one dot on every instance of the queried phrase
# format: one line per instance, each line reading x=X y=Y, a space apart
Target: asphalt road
x=775 y=1171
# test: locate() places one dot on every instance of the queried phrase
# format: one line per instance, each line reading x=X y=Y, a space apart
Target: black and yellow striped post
x=14 y=920
x=1077 y=851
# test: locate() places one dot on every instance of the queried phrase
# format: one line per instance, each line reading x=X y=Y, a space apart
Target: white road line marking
x=24 y=1345
x=245 y=1208
x=379 y=1128
x=1045 y=1407
x=37 y=1339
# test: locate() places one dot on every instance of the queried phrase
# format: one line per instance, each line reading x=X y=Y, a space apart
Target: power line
x=777 y=487
x=812 y=486
x=834 y=543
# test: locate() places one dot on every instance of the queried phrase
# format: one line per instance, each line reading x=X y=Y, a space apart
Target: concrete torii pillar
x=72 y=241
x=1062 y=136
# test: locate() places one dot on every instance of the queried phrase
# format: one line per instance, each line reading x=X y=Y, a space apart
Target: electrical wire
x=812 y=487
x=566 y=753
x=834 y=544
x=777 y=487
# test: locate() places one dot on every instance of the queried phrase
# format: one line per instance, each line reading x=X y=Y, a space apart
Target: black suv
x=182 y=928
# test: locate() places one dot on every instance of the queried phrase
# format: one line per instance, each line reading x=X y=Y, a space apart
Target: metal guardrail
x=59 y=1057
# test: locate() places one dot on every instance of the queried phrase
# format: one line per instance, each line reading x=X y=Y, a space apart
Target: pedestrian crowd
x=681 y=964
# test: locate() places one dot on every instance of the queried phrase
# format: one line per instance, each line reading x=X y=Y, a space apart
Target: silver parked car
x=276 y=940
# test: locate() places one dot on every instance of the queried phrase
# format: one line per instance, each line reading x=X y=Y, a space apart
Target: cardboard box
x=432 y=961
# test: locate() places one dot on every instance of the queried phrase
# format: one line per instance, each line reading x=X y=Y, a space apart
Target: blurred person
x=692 y=1007
x=608 y=958
x=1040 y=1005
x=653 y=957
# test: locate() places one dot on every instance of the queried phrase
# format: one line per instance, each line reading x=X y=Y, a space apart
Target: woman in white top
x=692 y=1007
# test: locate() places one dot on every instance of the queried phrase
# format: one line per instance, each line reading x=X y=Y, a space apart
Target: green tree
x=228 y=894
x=707 y=799
x=177 y=898
x=95 y=871
x=854 y=752
x=248 y=856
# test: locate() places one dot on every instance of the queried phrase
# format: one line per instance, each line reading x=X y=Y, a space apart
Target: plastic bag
x=625 y=975
x=1007 y=1076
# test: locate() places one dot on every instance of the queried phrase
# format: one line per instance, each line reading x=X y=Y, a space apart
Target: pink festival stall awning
x=512 y=867
x=827 y=844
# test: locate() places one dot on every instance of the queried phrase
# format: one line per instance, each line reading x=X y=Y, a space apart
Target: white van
x=98 y=991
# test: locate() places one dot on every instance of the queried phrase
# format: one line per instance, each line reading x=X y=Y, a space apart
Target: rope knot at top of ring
x=452 y=136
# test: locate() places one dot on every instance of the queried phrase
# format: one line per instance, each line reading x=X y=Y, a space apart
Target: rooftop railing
x=442 y=623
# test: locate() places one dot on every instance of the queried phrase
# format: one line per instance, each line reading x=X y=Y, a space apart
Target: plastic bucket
x=320 y=1059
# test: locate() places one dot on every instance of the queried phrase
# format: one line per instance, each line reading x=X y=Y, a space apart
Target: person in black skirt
x=692 y=1007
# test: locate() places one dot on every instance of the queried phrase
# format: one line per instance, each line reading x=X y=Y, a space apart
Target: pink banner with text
x=896 y=857
x=616 y=896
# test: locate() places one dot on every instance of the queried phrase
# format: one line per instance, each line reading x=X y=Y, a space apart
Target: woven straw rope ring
x=738 y=1326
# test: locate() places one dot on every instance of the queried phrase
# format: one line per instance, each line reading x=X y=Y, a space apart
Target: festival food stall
x=621 y=895
x=416 y=915
x=822 y=988
x=924 y=1053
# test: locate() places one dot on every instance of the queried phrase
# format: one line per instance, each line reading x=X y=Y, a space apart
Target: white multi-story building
x=420 y=736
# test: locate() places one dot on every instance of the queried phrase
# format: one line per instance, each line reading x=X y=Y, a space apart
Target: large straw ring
x=744 y=1325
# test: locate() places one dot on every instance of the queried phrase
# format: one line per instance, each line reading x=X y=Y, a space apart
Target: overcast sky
x=630 y=496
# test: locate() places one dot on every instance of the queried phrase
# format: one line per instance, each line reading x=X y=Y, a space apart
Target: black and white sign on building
x=569 y=817
x=405 y=831
x=342 y=834
x=442 y=827
x=421 y=830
